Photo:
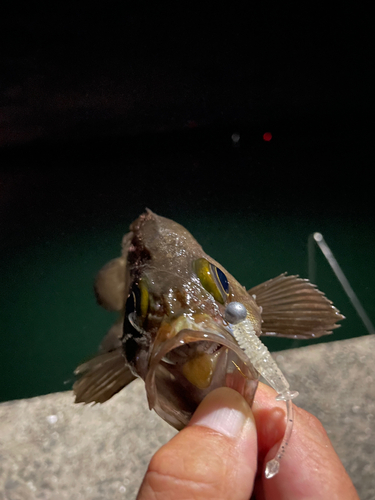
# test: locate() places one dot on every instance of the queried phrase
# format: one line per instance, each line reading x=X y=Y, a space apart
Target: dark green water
x=60 y=225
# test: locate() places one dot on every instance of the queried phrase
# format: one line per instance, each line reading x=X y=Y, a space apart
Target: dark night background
x=108 y=107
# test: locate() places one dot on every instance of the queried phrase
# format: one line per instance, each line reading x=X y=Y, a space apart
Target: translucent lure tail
x=261 y=359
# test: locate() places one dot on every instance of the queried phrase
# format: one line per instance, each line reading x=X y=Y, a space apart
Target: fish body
x=172 y=330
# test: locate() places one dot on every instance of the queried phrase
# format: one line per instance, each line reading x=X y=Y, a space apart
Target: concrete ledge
x=52 y=449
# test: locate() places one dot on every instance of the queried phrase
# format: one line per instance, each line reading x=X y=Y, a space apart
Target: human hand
x=218 y=454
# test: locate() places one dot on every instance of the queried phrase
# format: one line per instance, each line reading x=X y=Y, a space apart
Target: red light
x=267 y=136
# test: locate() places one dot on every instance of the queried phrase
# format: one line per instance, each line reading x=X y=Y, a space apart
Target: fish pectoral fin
x=101 y=377
x=112 y=340
x=293 y=307
x=113 y=280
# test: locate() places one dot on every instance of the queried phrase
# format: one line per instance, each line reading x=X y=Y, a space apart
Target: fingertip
x=226 y=411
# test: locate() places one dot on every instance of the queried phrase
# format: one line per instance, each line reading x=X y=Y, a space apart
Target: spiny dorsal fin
x=101 y=377
x=293 y=307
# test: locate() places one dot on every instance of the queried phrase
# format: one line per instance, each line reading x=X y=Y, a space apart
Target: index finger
x=310 y=468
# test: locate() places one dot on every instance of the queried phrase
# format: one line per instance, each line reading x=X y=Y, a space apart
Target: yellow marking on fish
x=144 y=297
x=165 y=332
x=199 y=370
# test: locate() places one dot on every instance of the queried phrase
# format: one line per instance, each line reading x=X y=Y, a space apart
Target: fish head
x=175 y=335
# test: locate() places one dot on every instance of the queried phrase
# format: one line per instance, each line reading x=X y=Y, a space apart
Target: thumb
x=214 y=457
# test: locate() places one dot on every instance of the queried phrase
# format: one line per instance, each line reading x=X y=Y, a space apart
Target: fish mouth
x=191 y=356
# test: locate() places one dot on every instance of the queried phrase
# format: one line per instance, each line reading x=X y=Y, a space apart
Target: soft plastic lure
x=261 y=359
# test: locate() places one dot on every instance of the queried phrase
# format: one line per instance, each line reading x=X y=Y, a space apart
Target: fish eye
x=213 y=279
x=144 y=298
x=138 y=299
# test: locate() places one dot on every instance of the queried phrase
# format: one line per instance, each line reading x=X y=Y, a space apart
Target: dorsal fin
x=101 y=377
x=293 y=307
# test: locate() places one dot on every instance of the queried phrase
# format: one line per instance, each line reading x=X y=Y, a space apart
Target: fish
x=173 y=329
